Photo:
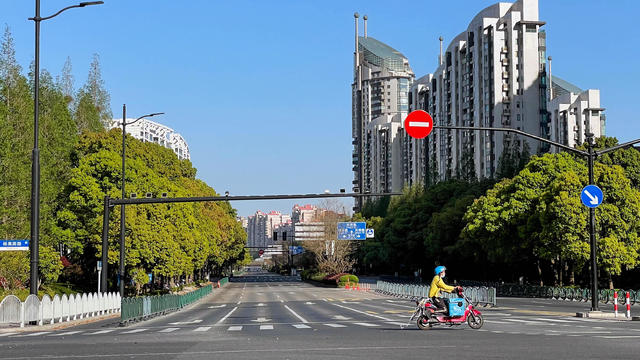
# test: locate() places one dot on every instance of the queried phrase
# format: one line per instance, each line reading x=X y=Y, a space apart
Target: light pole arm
x=613 y=148
x=142 y=117
x=67 y=8
x=519 y=132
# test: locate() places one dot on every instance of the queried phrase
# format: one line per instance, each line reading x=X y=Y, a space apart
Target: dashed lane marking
x=203 y=328
x=266 y=327
x=36 y=333
x=134 y=331
x=301 y=326
x=167 y=330
x=100 y=332
x=8 y=334
x=366 y=324
x=66 y=333
x=226 y=316
x=335 y=325
x=234 y=328
x=296 y=315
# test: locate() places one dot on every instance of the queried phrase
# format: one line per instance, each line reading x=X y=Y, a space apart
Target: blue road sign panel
x=352 y=231
x=295 y=250
x=13 y=245
x=591 y=196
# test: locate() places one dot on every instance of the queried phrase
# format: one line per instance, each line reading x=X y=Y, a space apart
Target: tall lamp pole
x=122 y=225
x=35 y=154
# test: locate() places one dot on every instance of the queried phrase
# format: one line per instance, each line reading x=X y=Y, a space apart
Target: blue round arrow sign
x=591 y=196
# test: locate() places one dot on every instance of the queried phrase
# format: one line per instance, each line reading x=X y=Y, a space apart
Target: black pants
x=439 y=302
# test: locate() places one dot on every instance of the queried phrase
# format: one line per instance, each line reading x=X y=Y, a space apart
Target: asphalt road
x=265 y=316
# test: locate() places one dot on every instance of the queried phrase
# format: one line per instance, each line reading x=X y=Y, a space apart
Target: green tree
x=92 y=110
x=538 y=215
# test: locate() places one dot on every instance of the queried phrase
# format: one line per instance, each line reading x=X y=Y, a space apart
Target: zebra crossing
x=201 y=329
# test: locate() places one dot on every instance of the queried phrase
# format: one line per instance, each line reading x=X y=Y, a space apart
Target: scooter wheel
x=423 y=323
x=475 y=321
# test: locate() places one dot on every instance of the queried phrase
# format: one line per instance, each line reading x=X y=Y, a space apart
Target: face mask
x=442 y=276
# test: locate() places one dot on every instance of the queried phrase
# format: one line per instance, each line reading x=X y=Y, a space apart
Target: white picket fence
x=58 y=309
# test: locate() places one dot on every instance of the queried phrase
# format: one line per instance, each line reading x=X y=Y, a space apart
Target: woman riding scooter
x=438 y=284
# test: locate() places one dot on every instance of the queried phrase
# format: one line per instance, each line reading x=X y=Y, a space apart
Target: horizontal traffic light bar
x=113 y=202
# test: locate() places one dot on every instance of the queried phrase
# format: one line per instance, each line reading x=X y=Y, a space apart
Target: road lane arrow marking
x=594 y=199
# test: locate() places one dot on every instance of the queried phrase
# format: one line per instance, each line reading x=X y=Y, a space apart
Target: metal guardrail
x=136 y=308
x=565 y=293
x=478 y=295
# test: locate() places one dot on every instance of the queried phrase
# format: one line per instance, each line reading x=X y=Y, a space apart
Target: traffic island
x=604 y=315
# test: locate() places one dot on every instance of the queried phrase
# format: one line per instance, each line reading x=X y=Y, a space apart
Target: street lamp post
x=591 y=155
x=35 y=155
x=122 y=217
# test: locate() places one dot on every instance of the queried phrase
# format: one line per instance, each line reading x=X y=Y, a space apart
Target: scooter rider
x=438 y=284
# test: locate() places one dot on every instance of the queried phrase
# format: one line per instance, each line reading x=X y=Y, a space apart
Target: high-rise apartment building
x=494 y=74
x=380 y=91
x=151 y=131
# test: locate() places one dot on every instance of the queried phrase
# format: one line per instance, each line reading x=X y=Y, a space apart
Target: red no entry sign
x=418 y=124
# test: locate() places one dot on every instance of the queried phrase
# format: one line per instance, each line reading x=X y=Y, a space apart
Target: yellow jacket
x=437 y=284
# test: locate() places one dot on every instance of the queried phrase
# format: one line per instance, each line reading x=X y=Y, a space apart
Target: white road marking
x=186 y=322
x=335 y=325
x=397 y=323
x=261 y=319
x=309 y=303
x=238 y=303
x=37 y=333
x=620 y=337
x=340 y=317
x=525 y=321
x=296 y=315
x=7 y=334
x=217 y=306
x=100 y=332
x=301 y=326
x=168 y=330
x=234 y=328
x=363 y=312
x=203 y=328
x=65 y=333
x=366 y=324
x=557 y=320
x=266 y=327
x=134 y=331
x=226 y=316
x=261 y=304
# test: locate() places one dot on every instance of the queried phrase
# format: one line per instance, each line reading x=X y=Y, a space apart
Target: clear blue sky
x=261 y=89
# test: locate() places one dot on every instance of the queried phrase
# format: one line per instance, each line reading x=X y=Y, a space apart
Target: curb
x=58 y=326
x=604 y=316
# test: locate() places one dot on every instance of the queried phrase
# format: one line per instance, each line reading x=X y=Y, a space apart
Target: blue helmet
x=440 y=269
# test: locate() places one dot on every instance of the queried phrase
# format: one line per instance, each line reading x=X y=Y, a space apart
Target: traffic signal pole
x=591 y=155
x=110 y=203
